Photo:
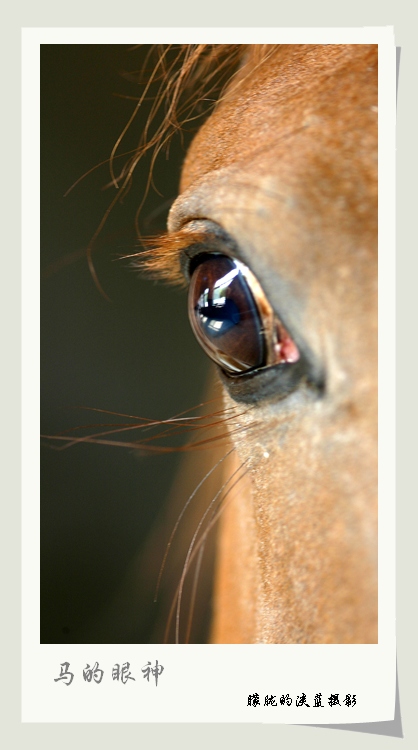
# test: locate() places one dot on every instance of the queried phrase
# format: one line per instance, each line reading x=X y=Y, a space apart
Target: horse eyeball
x=232 y=319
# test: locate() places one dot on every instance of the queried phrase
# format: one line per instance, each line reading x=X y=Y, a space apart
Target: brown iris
x=232 y=319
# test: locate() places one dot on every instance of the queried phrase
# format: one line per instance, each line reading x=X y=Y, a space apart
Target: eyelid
x=214 y=240
x=277 y=380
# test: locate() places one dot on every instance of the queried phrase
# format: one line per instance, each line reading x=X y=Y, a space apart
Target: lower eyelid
x=276 y=383
x=209 y=238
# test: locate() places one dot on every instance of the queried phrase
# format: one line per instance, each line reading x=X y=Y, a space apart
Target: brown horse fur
x=286 y=165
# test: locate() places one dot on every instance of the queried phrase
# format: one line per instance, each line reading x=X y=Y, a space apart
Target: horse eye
x=232 y=318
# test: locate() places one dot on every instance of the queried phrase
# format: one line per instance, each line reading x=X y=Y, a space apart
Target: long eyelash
x=160 y=259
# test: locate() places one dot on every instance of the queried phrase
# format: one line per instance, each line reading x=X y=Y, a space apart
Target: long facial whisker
x=200 y=548
x=176 y=525
x=194 y=592
x=176 y=425
x=192 y=550
x=178 y=430
x=146 y=419
x=100 y=435
x=174 y=422
x=151 y=449
x=215 y=516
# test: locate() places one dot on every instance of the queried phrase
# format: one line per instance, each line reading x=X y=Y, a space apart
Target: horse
x=275 y=232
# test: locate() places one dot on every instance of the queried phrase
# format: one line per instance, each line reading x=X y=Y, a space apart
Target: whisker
x=144 y=447
x=207 y=475
x=192 y=551
x=135 y=416
x=194 y=592
x=177 y=425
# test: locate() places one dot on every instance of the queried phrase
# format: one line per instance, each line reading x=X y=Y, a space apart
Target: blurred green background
x=134 y=354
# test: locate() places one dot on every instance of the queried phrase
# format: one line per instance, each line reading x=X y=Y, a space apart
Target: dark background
x=134 y=354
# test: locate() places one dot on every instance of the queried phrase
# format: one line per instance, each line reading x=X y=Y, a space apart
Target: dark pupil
x=217 y=316
x=224 y=316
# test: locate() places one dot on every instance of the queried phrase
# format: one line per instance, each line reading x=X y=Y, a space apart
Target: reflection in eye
x=232 y=319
